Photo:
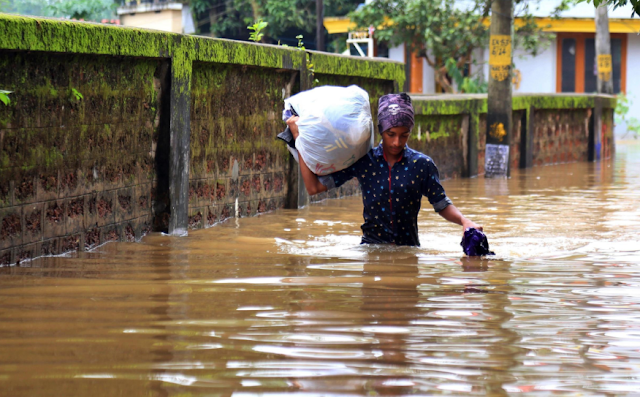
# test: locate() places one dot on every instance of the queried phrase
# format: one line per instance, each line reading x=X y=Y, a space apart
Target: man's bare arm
x=452 y=214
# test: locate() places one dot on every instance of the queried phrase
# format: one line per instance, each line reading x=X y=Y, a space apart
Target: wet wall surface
x=289 y=302
x=77 y=152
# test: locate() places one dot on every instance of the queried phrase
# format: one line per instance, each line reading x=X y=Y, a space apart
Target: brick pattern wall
x=76 y=152
x=441 y=138
x=236 y=113
x=560 y=136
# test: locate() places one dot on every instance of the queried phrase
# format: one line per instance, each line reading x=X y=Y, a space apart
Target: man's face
x=394 y=140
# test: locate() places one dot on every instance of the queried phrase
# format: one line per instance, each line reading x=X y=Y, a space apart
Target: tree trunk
x=499 y=99
x=319 y=25
x=441 y=79
x=603 y=51
x=213 y=20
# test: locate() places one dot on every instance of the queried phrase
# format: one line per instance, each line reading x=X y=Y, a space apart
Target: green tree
x=83 y=9
x=285 y=18
x=443 y=32
x=78 y=9
x=623 y=104
x=635 y=4
x=433 y=29
x=26 y=7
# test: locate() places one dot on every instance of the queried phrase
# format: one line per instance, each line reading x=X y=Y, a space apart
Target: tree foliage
x=4 y=97
x=93 y=10
x=623 y=104
x=286 y=18
x=83 y=9
x=440 y=30
x=436 y=30
x=635 y=4
x=256 y=34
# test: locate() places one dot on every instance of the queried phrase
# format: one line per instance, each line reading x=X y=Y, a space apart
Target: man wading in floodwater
x=393 y=178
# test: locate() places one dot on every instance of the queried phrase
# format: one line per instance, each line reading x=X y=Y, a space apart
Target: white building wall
x=428 y=75
x=633 y=83
x=397 y=53
x=485 y=67
x=477 y=64
x=538 y=74
x=428 y=78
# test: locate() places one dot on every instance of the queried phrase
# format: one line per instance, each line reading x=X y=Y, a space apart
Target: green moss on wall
x=329 y=64
x=466 y=104
x=38 y=34
x=235 y=112
x=435 y=127
x=448 y=105
x=51 y=130
x=553 y=101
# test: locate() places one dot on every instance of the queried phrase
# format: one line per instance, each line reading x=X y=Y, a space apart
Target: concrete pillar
x=180 y=139
x=603 y=51
x=472 y=143
x=595 y=129
x=526 y=134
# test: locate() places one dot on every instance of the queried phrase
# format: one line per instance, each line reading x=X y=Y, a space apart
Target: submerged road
x=290 y=303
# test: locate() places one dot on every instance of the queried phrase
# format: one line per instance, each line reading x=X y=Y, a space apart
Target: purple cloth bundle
x=474 y=243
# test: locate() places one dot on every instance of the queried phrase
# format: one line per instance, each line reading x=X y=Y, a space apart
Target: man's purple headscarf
x=394 y=110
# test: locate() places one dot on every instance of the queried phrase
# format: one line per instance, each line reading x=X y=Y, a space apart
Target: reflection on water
x=289 y=303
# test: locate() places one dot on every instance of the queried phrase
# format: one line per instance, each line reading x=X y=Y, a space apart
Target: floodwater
x=289 y=303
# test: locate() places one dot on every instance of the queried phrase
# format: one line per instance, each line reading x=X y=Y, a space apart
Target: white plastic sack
x=335 y=126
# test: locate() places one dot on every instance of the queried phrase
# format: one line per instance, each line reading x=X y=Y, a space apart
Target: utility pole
x=319 y=25
x=603 y=51
x=605 y=78
x=499 y=104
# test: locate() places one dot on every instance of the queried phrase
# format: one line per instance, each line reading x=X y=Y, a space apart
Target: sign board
x=604 y=67
x=496 y=161
x=499 y=56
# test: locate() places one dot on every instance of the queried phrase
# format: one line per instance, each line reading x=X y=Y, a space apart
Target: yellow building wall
x=165 y=20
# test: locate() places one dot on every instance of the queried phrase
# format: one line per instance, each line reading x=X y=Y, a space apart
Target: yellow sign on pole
x=500 y=56
x=604 y=67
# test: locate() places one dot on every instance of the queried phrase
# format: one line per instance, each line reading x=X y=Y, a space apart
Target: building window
x=568 y=65
x=576 y=62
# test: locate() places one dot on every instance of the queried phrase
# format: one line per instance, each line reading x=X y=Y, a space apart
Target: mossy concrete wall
x=75 y=172
x=546 y=129
x=235 y=116
x=113 y=131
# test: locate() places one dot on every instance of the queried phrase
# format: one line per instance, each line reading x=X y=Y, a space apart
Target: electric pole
x=319 y=25
x=499 y=104
x=603 y=51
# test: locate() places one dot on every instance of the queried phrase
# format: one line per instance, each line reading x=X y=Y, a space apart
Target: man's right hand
x=291 y=122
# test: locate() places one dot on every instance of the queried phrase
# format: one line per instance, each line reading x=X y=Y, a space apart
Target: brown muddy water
x=289 y=303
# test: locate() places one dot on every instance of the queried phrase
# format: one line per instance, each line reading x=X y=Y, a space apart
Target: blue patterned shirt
x=392 y=195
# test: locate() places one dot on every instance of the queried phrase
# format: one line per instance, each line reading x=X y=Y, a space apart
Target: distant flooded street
x=290 y=303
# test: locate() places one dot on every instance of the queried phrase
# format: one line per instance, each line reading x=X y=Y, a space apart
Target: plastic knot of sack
x=475 y=243
x=335 y=127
